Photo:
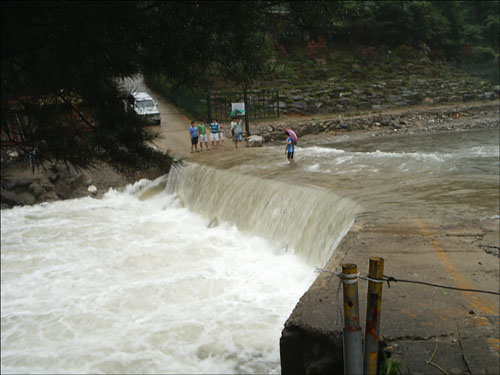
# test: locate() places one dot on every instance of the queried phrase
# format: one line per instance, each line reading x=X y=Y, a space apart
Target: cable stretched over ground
x=390 y=279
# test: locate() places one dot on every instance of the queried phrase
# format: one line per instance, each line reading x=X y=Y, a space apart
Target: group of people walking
x=198 y=134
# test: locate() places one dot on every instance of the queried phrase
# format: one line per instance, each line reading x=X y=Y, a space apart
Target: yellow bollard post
x=353 y=336
x=373 y=308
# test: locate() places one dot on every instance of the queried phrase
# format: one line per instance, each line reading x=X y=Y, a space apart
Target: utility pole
x=209 y=108
x=245 y=99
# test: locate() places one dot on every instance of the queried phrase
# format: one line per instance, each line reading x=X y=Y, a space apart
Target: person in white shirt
x=237 y=132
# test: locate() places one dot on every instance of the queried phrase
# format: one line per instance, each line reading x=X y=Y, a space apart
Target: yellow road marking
x=495 y=343
x=459 y=279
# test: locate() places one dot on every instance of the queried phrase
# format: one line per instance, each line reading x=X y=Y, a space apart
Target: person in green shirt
x=203 y=135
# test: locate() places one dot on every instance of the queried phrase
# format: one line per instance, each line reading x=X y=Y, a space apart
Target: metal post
x=209 y=108
x=373 y=307
x=278 y=102
x=353 y=336
x=247 y=127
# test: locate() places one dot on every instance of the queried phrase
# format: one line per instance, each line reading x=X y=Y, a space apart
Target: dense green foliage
x=463 y=32
x=198 y=42
x=60 y=60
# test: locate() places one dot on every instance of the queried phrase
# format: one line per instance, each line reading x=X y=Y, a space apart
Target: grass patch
x=389 y=367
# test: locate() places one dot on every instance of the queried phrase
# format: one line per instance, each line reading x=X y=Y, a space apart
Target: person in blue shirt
x=214 y=136
x=32 y=156
x=289 y=147
x=193 y=134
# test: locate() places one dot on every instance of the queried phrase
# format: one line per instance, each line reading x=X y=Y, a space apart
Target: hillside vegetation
x=346 y=79
x=60 y=61
x=324 y=57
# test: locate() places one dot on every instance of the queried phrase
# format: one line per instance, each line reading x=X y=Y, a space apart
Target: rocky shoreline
x=19 y=186
x=383 y=94
x=413 y=120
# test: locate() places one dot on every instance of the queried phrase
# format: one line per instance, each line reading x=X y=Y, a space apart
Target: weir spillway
x=308 y=221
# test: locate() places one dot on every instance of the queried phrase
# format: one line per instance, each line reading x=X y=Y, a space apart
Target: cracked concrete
x=413 y=317
x=493 y=250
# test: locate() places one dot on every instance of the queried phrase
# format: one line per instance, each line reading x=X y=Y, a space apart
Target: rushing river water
x=454 y=175
x=197 y=274
x=135 y=283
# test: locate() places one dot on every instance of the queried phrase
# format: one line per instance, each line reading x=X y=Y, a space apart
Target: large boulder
x=18 y=183
x=8 y=198
x=36 y=189
x=25 y=199
x=71 y=186
x=49 y=196
x=92 y=190
x=301 y=105
x=255 y=141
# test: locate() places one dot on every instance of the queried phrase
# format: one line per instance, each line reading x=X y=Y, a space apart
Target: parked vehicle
x=145 y=106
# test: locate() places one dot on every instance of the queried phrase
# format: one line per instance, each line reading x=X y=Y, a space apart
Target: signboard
x=239 y=106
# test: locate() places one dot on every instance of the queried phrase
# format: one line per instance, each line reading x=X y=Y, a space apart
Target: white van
x=145 y=106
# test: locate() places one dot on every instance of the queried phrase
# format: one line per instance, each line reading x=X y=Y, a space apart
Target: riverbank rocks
x=405 y=121
x=382 y=94
x=21 y=187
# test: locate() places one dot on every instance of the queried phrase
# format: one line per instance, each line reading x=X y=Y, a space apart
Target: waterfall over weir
x=309 y=221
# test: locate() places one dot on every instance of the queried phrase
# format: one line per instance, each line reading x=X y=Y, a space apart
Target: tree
x=206 y=40
x=58 y=63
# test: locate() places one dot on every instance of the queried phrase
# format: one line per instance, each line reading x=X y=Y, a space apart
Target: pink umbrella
x=292 y=134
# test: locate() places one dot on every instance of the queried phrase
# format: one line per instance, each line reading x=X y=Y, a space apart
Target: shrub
x=468 y=51
x=471 y=54
x=436 y=55
x=366 y=53
x=404 y=52
x=283 y=71
x=486 y=55
x=480 y=61
x=316 y=49
x=282 y=53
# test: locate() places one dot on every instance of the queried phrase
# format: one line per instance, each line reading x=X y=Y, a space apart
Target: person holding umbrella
x=290 y=142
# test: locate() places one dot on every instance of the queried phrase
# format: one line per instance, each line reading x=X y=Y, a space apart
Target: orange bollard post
x=353 y=336
x=373 y=308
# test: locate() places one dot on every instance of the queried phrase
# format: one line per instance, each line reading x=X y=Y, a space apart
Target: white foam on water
x=342 y=162
x=136 y=283
x=317 y=168
x=480 y=151
x=322 y=150
x=436 y=156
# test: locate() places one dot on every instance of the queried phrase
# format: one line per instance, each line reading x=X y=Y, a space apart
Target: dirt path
x=174 y=136
x=173 y=131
